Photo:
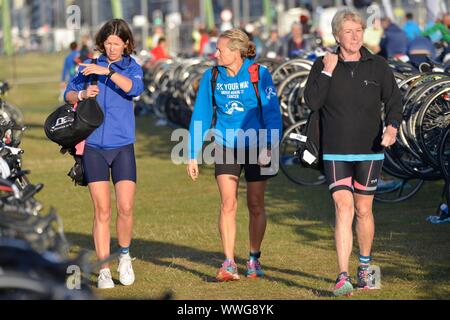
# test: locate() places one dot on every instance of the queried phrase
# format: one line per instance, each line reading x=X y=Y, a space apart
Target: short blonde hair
x=240 y=41
x=343 y=15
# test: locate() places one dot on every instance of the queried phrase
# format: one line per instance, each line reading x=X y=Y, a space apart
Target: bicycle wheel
x=393 y=190
x=285 y=88
x=289 y=162
x=432 y=120
x=444 y=154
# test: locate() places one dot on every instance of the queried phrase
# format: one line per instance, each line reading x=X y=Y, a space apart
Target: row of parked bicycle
x=423 y=143
x=34 y=252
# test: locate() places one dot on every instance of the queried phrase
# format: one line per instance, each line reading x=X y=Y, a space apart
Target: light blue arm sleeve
x=202 y=116
x=270 y=105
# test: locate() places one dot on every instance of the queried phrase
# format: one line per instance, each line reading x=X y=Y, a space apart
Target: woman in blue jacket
x=239 y=117
x=110 y=148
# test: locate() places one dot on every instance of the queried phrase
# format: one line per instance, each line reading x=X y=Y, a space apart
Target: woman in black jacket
x=349 y=88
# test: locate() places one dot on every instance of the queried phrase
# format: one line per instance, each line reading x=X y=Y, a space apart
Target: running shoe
x=344 y=286
x=365 y=278
x=125 y=269
x=227 y=272
x=104 y=280
x=254 y=269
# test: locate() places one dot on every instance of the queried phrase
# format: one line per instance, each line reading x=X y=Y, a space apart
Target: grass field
x=176 y=240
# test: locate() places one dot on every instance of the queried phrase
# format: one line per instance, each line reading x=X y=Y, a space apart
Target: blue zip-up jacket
x=237 y=108
x=394 y=41
x=412 y=30
x=118 y=127
x=70 y=64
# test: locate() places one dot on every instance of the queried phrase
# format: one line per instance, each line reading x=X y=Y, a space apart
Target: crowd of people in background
x=408 y=40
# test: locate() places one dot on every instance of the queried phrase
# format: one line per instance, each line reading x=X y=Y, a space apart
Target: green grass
x=176 y=241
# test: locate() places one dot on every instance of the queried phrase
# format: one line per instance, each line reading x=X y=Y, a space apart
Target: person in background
x=273 y=45
x=85 y=50
x=441 y=26
x=295 y=43
x=204 y=40
x=70 y=64
x=69 y=68
x=304 y=21
x=210 y=47
x=420 y=49
x=160 y=52
x=411 y=27
x=394 y=41
x=158 y=33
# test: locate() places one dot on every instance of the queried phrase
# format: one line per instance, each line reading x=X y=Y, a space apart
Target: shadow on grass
x=158 y=253
x=157 y=138
x=420 y=256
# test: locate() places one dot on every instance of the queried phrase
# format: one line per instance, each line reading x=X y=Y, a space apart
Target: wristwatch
x=110 y=74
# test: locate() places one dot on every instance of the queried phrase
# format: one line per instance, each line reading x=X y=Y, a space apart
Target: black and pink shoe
x=344 y=286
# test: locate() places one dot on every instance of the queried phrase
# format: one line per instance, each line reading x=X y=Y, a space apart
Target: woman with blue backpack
x=239 y=99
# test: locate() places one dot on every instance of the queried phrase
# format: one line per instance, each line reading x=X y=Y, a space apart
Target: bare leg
x=125 y=191
x=258 y=219
x=228 y=185
x=365 y=224
x=343 y=201
x=101 y=199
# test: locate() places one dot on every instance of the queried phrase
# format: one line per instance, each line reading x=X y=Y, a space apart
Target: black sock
x=255 y=255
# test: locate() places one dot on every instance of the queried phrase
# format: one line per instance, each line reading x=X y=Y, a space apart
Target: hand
x=90 y=92
x=91 y=68
x=389 y=136
x=192 y=169
x=329 y=62
x=264 y=157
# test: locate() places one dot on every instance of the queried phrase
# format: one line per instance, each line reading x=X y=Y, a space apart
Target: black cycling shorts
x=98 y=163
x=238 y=160
x=355 y=176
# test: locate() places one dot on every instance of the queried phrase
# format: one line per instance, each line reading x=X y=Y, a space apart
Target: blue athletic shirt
x=118 y=127
x=237 y=108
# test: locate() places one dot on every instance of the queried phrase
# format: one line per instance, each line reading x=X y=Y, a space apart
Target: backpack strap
x=254 y=78
x=214 y=74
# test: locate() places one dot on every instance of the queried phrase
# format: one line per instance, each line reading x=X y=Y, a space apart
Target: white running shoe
x=104 y=280
x=125 y=269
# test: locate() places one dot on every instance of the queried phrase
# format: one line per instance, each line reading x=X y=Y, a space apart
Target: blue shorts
x=97 y=164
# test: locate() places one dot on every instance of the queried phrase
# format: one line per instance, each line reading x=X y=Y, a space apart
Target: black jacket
x=351 y=104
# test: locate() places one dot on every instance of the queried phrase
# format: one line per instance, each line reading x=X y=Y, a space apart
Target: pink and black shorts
x=355 y=176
